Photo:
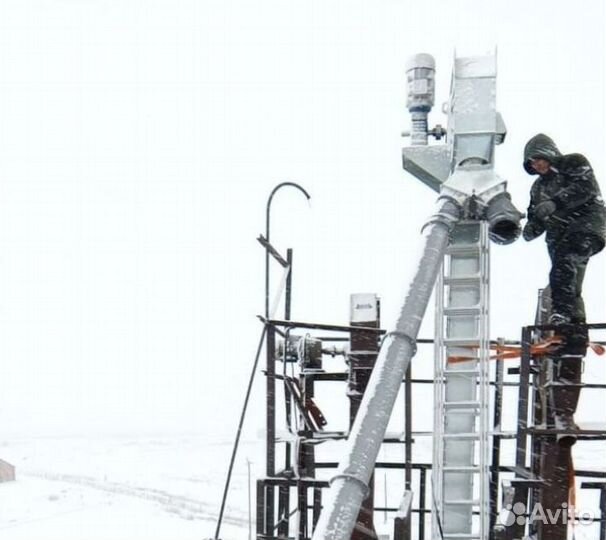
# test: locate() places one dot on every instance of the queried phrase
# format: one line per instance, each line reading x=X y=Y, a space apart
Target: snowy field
x=122 y=488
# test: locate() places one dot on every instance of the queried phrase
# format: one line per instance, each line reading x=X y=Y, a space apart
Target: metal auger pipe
x=349 y=486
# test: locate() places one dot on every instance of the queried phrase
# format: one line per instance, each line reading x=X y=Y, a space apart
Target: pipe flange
x=403 y=335
x=347 y=477
x=445 y=216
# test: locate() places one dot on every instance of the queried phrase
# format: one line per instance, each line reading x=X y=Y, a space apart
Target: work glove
x=532 y=230
x=544 y=210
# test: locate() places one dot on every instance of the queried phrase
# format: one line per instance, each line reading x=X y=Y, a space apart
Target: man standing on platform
x=566 y=204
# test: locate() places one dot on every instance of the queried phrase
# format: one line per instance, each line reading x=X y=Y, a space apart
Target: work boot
x=565 y=422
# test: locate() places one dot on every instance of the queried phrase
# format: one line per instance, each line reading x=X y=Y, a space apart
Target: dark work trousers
x=569 y=259
x=565 y=395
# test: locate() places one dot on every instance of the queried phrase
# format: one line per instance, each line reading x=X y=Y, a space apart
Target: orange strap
x=506 y=352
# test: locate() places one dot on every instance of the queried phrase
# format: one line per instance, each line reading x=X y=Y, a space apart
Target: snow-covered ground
x=123 y=488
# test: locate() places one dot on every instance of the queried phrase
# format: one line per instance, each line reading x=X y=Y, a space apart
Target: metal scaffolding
x=543 y=469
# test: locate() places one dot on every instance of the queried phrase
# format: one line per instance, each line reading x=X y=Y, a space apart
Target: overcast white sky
x=139 y=141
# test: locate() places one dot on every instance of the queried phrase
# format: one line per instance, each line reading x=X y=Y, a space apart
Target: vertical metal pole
x=422 y=507
x=496 y=444
x=521 y=491
x=603 y=515
x=317 y=505
x=302 y=511
x=385 y=497
x=249 y=501
x=270 y=427
x=306 y=461
x=539 y=399
x=284 y=491
x=521 y=439
x=402 y=520
x=283 y=510
x=408 y=428
x=364 y=349
x=260 y=508
x=288 y=294
x=542 y=415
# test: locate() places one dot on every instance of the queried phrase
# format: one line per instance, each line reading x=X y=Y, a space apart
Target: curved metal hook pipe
x=267 y=231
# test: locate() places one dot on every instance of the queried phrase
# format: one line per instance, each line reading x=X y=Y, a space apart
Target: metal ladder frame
x=461 y=465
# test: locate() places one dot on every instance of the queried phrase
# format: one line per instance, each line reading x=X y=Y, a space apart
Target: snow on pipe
x=349 y=486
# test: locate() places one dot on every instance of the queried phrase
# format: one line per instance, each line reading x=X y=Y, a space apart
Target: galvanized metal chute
x=462 y=171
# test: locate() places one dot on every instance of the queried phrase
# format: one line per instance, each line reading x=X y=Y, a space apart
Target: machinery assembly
x=471 y=485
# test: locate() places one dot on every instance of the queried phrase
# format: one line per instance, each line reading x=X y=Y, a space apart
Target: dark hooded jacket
x=572 y=186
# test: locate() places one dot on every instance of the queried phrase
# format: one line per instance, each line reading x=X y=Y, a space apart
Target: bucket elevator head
x=463 y=167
